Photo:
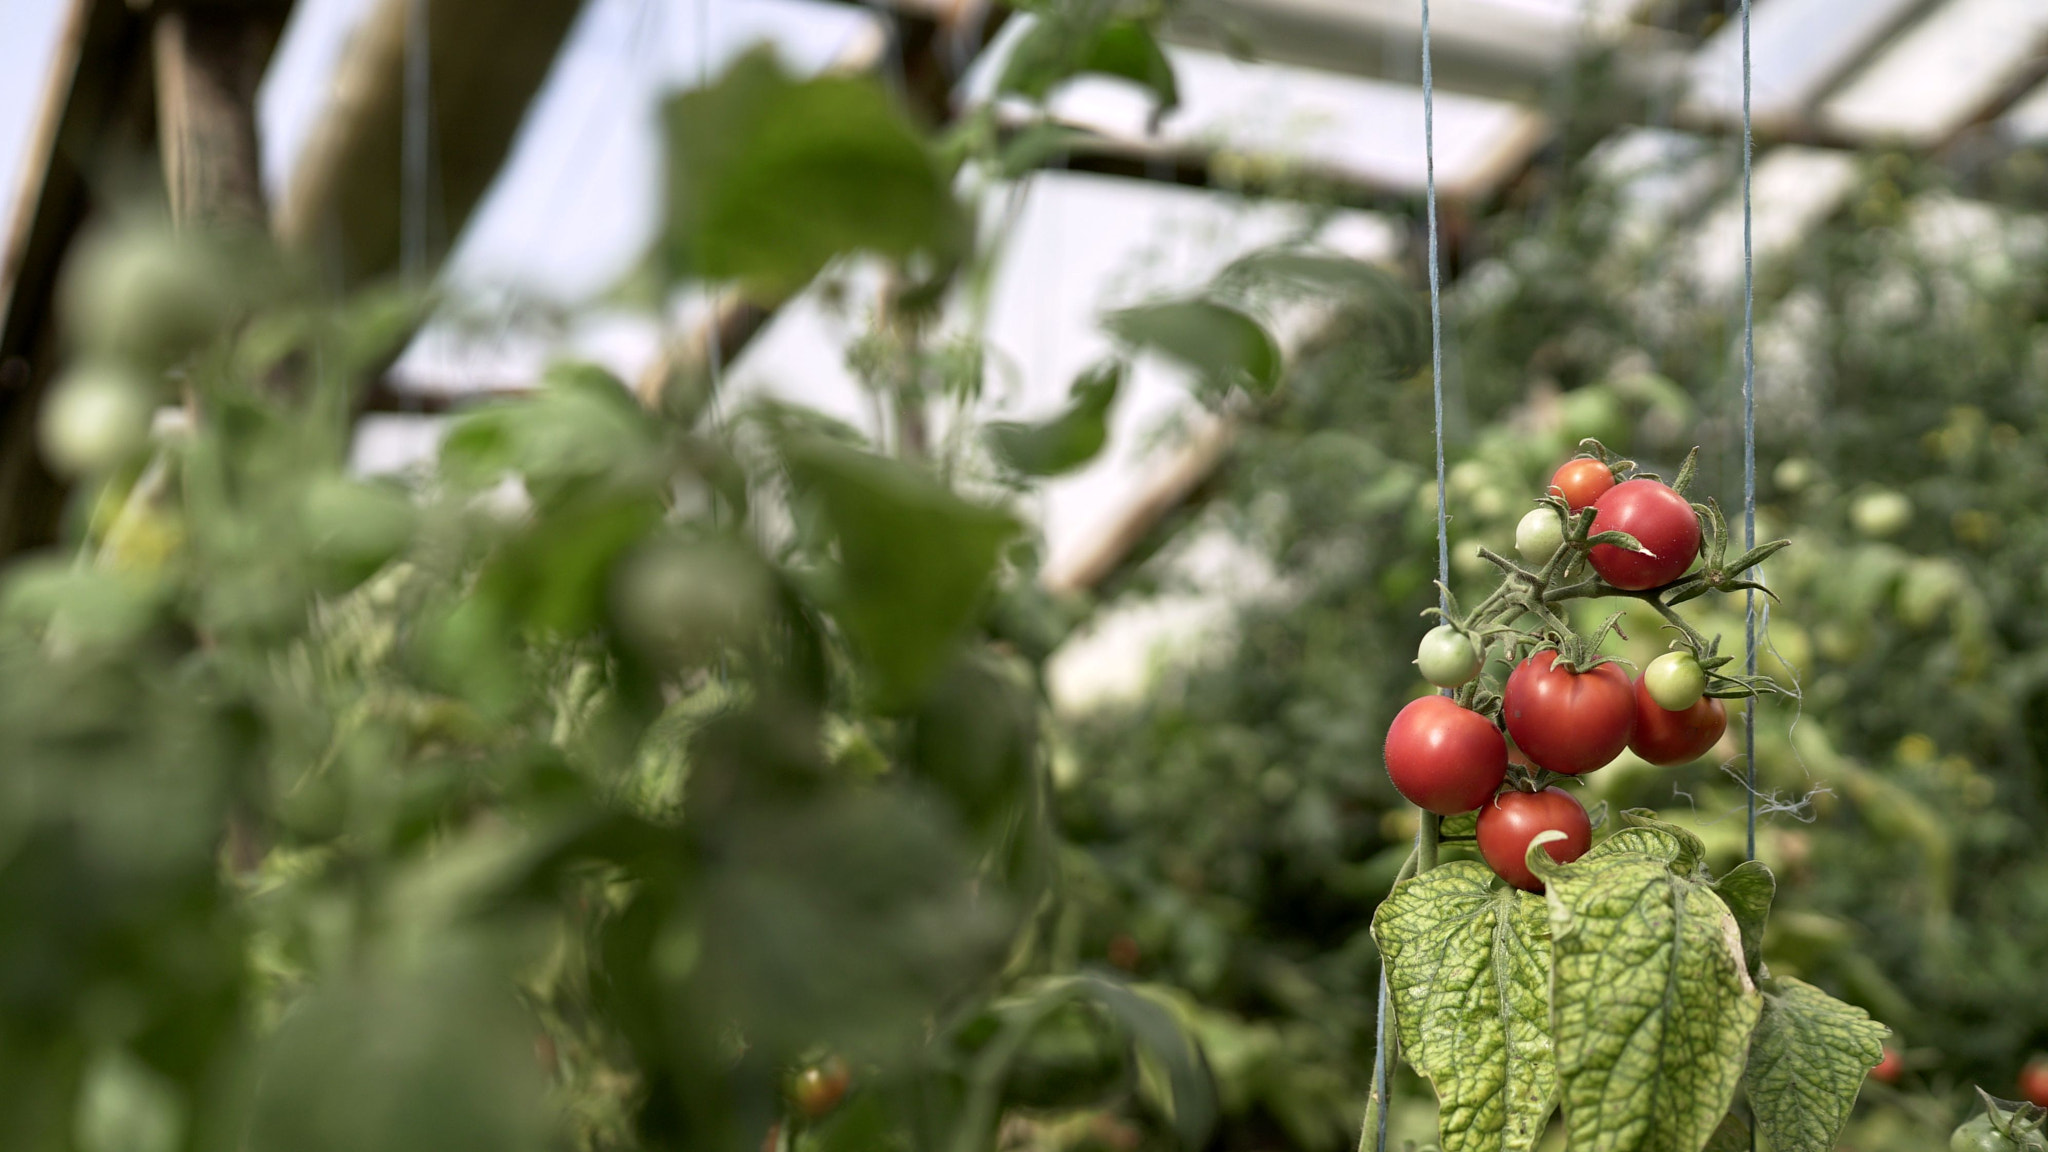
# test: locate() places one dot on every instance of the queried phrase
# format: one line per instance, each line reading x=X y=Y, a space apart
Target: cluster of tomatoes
x=1564 y=718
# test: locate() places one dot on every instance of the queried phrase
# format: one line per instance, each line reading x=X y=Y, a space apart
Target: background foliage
x=587 y=790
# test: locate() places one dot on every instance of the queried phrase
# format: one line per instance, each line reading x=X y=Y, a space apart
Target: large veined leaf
x=1059 y=47
x=1651 y=996
x=1748 y=889
x=1806 y=1065
x=771 y=177
x=1468 y=965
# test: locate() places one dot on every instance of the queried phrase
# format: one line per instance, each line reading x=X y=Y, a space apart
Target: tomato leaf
x=1058 y=47
x=1222 y=346
x=770 y=178
x=914 y=559
x=1748 y=889
x=1069 y=439
x=1639 y=830
x=1468 y=965
x=1806 y=1063
x=1732 y=1135
x=1653 y=1003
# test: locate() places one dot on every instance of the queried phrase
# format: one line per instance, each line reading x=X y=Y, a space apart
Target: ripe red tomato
x=2034 y=1081
x=1569 y=722
x=1888 y=1069
x=1666 y=737
x=1514 y=818
x=1443 y=758
x=1660 y=520
x=821 y=1087
x=1581 y=481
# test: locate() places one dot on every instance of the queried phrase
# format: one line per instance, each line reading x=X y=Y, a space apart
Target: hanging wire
x=1381 y=1044
x=714 y=354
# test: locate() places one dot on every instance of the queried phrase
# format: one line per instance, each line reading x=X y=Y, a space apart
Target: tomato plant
x=1512 y=819
x=1890 y=1068
x=821 y=1087
x=1661 y=522
x=1568 y=720
x=1443 y=757
x=1675 y=680
x=1581 y=481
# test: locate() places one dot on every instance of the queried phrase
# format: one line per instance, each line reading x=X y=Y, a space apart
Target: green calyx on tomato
x=1675 y=680
x=1447 y=657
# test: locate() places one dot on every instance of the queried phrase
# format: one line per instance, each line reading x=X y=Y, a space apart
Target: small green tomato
x=1881 y=513
x=1539 y=535
x=1977 y=1135
x=1446 y=657
x=95 y=419
x=1675 y=681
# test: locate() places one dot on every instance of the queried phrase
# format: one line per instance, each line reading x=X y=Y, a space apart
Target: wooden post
x=209 y=60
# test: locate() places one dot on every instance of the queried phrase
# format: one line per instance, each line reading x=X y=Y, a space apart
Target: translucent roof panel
x=1361 y=129
x=574 y=206
x=2026 y=122
x=1794 y=188
x=29 y=34
x=1941 y=73
x=1797 y=48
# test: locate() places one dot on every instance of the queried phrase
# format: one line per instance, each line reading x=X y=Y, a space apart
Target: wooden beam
x=209 y=60
x=485 y=62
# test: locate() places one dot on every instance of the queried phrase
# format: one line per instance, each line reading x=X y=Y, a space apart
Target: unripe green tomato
x=680 y=601
x=1675 y=681
x=145 y=294
x=1539 y=535
x=95 y=419
x=1447 y=657
x=1881 y=513
x=1977 y=1135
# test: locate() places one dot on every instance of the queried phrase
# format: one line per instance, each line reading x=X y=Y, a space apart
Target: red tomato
x=2034 y=1081
x=1443 y=758
x=1514 y=818
x=1581 y=481
x=821 y=1087
x=1660 y=520
x=1569 y=722
x=1666 y=737
x=1888 y=1069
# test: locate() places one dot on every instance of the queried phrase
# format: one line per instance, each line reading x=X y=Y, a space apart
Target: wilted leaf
x=1748 y=889
x=1806 y=1065
x=1653 y=1002
x=1468 y=965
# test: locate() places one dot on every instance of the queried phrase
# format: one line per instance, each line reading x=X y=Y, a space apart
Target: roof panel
x=1797 y=48
x=1794 y=188
x=2026 y=122
x=1946 y=70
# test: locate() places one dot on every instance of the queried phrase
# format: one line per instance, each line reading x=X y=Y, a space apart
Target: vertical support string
x=1425 y=831
x=714 y=354
x=1748 y=431
x=1748 y=455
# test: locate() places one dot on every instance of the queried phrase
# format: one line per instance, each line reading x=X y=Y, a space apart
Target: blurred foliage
x=585 y=790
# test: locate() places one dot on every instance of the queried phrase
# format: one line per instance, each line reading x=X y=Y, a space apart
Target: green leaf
x=1806 y=1063
x=1222 y=346
x=1639 y=830
x=770 y=178
x=1069 y=439
x=1748 y=889
x=1056 y=49
x=1468 y=963
x=914 y=559
x=1159 y=1035
x=1037 y=145
x=1653 y=1004
x=1732 y=1135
